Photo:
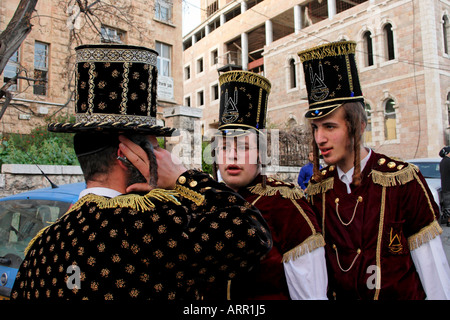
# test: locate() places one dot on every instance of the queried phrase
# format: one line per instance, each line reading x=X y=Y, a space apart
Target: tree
x=11 y=39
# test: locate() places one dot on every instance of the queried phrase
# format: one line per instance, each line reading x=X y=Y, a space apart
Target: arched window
x=368 y=133
x=389 y=42
x=390 y=122
x=368 y=49
x=292 y=74
x=446 y=33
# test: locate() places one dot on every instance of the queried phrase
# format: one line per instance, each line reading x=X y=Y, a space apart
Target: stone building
x=58 y=27
x=403 y=55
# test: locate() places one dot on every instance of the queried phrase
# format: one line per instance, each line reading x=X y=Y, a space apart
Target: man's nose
x=320 y=136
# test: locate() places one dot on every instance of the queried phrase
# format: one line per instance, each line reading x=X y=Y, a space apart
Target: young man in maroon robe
x=377 y=214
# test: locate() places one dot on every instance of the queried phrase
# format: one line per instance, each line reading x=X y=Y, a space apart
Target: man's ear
x=120 y=162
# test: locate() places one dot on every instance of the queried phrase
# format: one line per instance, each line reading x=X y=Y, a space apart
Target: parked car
x=429 y=167
x=21 y=217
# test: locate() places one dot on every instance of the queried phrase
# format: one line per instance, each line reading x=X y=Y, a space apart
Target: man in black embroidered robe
x=186 y=232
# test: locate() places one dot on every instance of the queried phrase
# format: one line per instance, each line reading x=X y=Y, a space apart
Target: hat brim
x=154 y=130
x=318 y=113
x=235 y=130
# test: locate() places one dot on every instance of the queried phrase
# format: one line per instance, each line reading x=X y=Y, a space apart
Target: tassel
x=425 y=235
x=390 y=179
x=320 y=187
x=311 y=243
x=286 y=192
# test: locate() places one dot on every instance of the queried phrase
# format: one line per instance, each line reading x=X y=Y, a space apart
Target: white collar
x=346 y=177
x=99 y=191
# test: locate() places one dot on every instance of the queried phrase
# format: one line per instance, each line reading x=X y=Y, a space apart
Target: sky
x=191 y=15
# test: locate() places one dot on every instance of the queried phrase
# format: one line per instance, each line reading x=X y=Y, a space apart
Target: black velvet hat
x=115 y=91
x=243 y=101
x=331 y=77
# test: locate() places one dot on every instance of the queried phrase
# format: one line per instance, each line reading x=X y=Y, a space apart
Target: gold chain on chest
x=360 y=199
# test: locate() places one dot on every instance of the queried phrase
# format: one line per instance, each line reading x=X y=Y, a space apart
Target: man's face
x=332 y=138
x=237 y=158
x=310 y=157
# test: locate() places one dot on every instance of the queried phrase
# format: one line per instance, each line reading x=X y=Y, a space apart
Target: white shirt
x=99 y=191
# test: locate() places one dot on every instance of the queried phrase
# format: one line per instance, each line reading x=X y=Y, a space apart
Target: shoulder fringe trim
x=190 y=194
x=320 y=187
x=425 y=235
x=390 y=179
x=133 y=201
x=311 y=243
x=292 y=193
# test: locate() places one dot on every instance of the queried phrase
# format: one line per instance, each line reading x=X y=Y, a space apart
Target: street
x=445 y=236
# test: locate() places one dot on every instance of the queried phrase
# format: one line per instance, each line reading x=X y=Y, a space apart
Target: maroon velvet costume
x=295 y=232
x=374 y=228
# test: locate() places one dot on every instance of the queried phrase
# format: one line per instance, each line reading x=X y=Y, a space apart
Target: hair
x=100 y=163
x=354 y=116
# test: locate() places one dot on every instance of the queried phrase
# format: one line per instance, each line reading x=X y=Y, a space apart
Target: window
x=163 y=10
x=212 y=7
x=446 y=33
x=200 y=98
x=200 y=65
x=214 y=92
x=368 y=49
x=390 y=126
x=40 y=68
x=187 y=101
x=214 y=57
x=389 y=42
x=111 y=35
x=12 y=70
x=368 y=133
x=164 y=59
x=447 y=103
x=187 y=73
x=292 y=74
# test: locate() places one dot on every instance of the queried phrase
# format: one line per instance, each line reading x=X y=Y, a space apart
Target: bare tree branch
x=16 y=31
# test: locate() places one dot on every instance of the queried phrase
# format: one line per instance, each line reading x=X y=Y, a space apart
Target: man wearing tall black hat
x=295 y=267
x=377 y=214
x=185 y=232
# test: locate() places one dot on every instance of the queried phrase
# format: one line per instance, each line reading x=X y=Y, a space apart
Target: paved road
x=445 y=236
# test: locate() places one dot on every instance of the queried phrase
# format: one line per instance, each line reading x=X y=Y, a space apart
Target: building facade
x=403 y=56
x=48 y=53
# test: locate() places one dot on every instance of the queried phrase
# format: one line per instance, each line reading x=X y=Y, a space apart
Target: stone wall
x=17 y=178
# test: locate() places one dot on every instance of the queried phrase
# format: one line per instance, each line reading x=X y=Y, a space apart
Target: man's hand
x=169 y=167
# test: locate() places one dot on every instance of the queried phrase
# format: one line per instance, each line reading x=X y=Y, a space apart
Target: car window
x=429 y=169
x=20 y=221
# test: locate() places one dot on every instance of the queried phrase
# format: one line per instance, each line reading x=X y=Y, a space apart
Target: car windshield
x=20 y=221
x=429 y=169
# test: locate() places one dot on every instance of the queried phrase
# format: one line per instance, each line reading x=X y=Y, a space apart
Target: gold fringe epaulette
x=288 y=192
x=320 y=187
x=133 y=201
x=190 y=194
x=390 y=179
x=425 y=235
x=311 y=243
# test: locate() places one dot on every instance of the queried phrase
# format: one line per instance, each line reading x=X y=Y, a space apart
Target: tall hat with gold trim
x=115 y=91
x=331 y=77
x=243 y=101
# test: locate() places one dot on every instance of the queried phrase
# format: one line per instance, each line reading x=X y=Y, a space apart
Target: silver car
x=429 y=167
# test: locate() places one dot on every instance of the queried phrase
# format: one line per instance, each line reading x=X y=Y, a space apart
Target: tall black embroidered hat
x=331 y=77
x=115 y=91
x=243 y=101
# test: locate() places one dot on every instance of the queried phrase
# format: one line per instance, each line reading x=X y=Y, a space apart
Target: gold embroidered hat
x=243 y=101
x=331 y=77
x=115 y=91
